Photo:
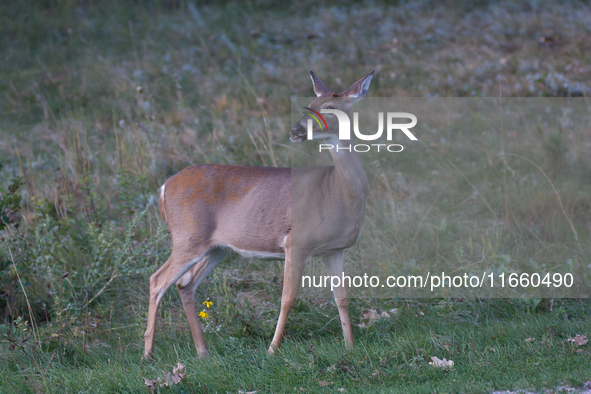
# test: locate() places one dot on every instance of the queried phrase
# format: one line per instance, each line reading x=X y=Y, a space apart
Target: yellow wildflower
x=207 y=303
x=203 y=314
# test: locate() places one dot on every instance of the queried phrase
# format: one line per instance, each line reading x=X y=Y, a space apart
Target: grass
x=486 y=340
x=100 y=104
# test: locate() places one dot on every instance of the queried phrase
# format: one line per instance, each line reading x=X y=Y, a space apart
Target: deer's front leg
x=333 y=265
x=295 y=262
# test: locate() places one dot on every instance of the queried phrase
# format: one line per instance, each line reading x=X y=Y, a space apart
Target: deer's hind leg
x=179 y=262
x=187 y=285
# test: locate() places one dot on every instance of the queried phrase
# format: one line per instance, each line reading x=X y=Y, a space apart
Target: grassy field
x=99 y=104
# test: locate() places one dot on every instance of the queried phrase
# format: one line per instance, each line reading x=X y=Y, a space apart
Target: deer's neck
x=349 y=174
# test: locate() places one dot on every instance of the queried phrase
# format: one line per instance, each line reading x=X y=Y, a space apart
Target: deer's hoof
x=204 y=355
x=148 y=356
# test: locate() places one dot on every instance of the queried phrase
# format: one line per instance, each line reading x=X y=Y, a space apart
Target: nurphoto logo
x=345 y=129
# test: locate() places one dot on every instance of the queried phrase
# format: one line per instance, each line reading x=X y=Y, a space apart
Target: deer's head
x=326 y=125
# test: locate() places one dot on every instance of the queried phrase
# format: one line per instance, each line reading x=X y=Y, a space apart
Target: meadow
x=101 y=103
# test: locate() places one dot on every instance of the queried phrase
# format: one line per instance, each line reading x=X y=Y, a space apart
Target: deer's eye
x=330 y=107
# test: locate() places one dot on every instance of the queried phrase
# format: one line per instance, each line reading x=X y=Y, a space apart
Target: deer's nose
x=297 y=130
x=297 y=133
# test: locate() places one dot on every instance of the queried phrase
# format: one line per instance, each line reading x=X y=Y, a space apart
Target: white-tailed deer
x=265 y=213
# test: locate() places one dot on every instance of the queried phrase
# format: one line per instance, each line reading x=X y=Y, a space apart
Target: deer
x=267 y=213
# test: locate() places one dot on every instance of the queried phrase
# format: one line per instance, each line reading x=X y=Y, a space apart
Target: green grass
x=99 y=104
x=486 y=341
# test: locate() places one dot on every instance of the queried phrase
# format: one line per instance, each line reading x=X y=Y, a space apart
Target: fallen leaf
x=579 y=340
x=528 y=340
x=371 y=315
x=176 y=379
x=166 y=382
x=178 y=373
x=169 y=379
x=151 y=384
x=324 y=383
x=441 y=363
x=248 y=392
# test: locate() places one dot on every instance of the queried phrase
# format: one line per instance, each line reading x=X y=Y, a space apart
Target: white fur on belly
x=255 y=254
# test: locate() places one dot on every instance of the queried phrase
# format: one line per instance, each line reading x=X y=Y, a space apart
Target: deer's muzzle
x=298 y=134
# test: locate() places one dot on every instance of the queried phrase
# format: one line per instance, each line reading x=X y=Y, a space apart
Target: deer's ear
x=359 y=89
x=319 y=87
